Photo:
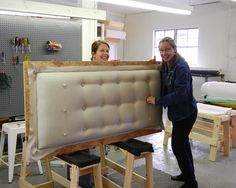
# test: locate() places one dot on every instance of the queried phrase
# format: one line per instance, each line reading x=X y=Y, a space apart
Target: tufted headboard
x=75 y=104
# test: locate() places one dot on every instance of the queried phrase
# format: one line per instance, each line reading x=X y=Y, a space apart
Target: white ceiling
x=126 y=10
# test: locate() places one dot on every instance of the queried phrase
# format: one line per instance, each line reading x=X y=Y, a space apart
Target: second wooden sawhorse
x=211 y=127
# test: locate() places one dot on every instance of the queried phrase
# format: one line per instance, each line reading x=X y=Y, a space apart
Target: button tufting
x=64 y=85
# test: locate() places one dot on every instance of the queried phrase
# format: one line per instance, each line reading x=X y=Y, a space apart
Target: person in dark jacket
x=177 y=96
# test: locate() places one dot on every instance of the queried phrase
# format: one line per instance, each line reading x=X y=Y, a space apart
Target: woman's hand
x=151 y=100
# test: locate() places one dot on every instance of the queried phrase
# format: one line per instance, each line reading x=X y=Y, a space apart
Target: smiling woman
x=177 y=97
x=100 y=51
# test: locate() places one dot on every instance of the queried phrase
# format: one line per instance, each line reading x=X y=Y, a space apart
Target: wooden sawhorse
x=211 y=129
x=135 y=149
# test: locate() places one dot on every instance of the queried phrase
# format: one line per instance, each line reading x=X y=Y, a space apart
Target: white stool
x=13 y=129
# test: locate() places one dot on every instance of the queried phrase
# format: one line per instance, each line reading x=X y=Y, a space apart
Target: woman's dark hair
x=95 y=46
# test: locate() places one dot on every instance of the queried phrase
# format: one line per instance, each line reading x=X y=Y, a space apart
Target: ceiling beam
x=52 y=9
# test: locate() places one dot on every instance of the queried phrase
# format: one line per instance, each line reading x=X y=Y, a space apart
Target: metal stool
x=136 y=149
x=12 y=130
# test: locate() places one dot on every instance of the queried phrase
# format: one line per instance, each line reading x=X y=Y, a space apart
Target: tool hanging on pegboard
x=20 y=46
x=25 y=46
x=15 y=42
x=5 y=84
x=27 y=49
x=3 y=58
x=5 y=81
x=53 y=46
x=14 y=49
x=28 y=45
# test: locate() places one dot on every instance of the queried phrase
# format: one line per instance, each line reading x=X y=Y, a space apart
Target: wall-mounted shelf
x=111 y=31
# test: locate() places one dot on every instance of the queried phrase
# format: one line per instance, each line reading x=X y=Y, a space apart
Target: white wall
x=232 y=46
x=217 y=35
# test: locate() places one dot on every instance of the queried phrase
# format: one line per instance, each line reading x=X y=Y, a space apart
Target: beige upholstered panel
x=73 y=105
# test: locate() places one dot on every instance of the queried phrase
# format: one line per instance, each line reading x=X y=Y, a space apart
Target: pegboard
x=39 y=31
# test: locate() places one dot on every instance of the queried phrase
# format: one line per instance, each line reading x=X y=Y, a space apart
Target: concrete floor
x=218 y=174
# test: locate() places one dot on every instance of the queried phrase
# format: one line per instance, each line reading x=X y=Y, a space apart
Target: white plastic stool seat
x=12 y=129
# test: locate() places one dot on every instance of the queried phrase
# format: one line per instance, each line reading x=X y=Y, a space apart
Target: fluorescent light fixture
x=137 y=4
x=15 y=13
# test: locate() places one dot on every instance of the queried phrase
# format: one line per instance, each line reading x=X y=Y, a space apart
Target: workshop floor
x=218 y=174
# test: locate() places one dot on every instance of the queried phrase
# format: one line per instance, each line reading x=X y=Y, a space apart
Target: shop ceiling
x=127 y=10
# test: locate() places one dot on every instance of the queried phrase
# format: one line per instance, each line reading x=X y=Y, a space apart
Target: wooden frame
x=51 y=177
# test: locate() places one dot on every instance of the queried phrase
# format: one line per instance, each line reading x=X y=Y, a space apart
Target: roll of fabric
x=212 y=109
x=220 y=93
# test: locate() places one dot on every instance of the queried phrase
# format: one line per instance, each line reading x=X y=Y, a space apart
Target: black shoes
x=188 y=184
x=193 y=184
x=177 y=178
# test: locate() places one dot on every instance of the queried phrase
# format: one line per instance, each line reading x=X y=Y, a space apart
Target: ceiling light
x=15 y=13
x=170 y=8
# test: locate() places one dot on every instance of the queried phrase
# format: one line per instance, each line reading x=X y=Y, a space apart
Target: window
x=186 y=41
